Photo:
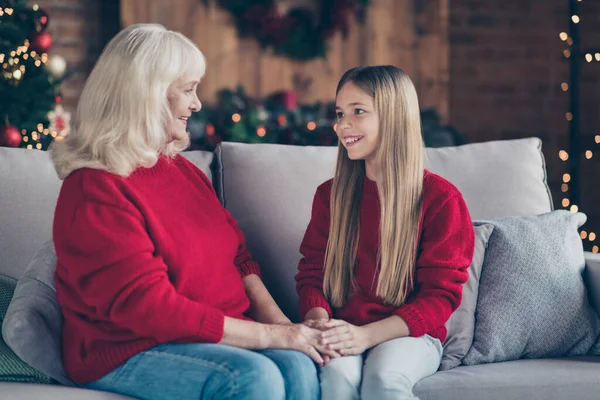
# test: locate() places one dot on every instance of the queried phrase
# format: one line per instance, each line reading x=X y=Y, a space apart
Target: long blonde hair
x=123 y=112
x=400 y=161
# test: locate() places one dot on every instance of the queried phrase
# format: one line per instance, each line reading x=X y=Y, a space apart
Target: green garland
x=298 y=33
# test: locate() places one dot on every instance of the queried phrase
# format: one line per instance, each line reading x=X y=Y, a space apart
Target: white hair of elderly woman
x=123 y=113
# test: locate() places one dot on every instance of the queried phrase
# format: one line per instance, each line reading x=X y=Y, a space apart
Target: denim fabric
x=213 y=371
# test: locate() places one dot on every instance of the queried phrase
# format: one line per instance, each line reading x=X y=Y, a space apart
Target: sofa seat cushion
x=21 y=391
x=543 y=379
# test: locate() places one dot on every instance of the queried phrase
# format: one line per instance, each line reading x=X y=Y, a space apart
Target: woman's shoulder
x=94 y=185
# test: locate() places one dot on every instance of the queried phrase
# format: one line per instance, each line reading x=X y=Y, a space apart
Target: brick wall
x=506 y=67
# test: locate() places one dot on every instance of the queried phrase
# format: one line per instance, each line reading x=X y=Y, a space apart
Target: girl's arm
x=445 y=253
x=309 y=280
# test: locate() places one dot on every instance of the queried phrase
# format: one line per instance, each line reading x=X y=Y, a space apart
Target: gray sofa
x=269 y=190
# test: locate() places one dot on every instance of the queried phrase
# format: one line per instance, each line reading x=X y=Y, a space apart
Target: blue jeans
x=213 y=371
x=387 y=371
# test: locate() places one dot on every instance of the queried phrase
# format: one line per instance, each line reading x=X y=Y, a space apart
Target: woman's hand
x=345 y=338
x=316 y=323
x=301 y=338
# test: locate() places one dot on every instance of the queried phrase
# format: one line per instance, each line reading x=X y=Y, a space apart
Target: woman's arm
x=262 y=305
x=108 y=262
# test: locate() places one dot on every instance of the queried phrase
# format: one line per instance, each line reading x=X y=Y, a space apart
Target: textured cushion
x=269 y=189
x=547 y=379
x=461 y=325
x=533 y=302
x=33 y=324
x=12 y=368
x=30 y=188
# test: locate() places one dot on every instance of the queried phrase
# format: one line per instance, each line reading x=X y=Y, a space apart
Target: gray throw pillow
x=32 y=327
x=461 y=325
x=12 y=368
x=533 y=301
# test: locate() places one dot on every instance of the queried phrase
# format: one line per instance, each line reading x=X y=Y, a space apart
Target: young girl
x=388 y=246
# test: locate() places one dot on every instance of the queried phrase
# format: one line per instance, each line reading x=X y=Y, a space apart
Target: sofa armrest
x=592 y=278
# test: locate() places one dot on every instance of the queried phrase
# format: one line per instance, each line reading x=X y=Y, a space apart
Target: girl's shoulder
x=437 y=189
x=324 y=189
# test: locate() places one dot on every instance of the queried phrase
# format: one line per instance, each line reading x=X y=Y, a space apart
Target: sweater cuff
x=212 y=325
x=248 y=268
x=311 y=298
x=415 y=322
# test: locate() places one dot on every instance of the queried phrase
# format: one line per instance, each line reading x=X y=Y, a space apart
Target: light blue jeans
x=213 y=371
x=387 y=371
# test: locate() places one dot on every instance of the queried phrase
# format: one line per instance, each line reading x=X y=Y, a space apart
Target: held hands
x=302 y=338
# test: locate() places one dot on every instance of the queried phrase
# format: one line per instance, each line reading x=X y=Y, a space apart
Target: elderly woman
x=161 y=299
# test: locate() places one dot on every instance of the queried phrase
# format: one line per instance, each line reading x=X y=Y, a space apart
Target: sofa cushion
x=28 y=197
x=12 y=368
x=33 y=324
x=30 y=188
x=269 y=189
x=533 y=302
x=544 y=379
x=497 y=179
x=461 y=325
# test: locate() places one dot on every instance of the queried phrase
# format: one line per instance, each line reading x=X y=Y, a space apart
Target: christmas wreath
x=297 y=32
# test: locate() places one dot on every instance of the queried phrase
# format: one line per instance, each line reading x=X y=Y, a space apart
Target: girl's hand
x=320 y=325
x=345 y=338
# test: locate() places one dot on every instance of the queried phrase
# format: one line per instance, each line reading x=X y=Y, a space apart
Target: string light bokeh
x=572 y=54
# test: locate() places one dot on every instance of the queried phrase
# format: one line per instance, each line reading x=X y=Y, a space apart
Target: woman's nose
x=196 y=106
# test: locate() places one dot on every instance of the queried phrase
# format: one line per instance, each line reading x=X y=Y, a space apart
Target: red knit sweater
x=445 y=251
x=144 y=260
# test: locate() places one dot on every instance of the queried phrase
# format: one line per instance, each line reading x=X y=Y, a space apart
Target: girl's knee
x=339 y=381
x=384 y=385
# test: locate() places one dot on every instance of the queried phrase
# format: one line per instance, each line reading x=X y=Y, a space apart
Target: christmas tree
x=30 y=112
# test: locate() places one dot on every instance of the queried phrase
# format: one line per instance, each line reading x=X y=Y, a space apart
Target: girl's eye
x=339 y=115
x=359 y=111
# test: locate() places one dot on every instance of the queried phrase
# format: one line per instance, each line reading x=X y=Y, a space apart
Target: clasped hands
x=339 y=338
